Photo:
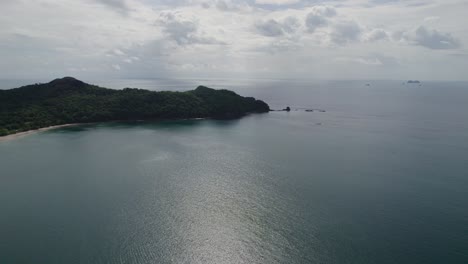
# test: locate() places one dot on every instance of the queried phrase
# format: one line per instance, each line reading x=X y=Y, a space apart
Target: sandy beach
x=29 y=132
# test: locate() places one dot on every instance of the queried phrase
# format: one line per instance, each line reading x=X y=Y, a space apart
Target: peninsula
x=69 y=101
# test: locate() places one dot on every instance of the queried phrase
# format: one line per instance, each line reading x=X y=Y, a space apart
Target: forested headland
x=68 y=100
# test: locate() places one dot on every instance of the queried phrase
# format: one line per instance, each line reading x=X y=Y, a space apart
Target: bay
x=380 y=177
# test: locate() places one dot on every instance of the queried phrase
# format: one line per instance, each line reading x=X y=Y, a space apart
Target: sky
x=349 y=39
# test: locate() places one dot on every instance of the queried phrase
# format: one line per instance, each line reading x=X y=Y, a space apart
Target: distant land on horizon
x=68 y=101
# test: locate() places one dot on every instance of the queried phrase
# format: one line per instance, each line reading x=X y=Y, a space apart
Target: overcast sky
x=355 y=39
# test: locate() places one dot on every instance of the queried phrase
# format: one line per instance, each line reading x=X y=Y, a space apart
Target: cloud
x=184 y=32
x=278 y=46
x=153 y=38
x=291 y=24
x=118 y=52
x=326 y=11
x=319 y=17
x=229 y=6
x=273 y=28
x=276 y=2
x=431 y=19
x=345 y=32
x=431 y=38
x=270 y=28
x=370 y=60
x=140 y=60
x=223 y=5
x=314 y=21
x=376 y=35
x=118 y=5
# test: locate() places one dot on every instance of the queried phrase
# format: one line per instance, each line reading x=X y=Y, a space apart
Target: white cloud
x=314 y=21
x=376 y=35
x=270 y=28
x=231 y=6
x=431 y=38
x=346 y=32
x=276 y=2
x=182 y=38
x=119 y=5
x=274 y=28
x=118 y=52
x=431 y=19
x=319 y=17
x=184 y=31
x=291 y=24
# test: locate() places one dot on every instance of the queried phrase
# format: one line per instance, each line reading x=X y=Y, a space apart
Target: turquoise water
x=380 y=177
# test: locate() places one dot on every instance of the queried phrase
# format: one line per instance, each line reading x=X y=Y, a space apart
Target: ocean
x=379 y=176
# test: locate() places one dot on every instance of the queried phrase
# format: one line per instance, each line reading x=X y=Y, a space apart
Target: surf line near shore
x=25 y=133
x=42 y=129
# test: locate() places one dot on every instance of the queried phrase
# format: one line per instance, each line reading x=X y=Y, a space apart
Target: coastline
x=42 y=129
x=29 y=132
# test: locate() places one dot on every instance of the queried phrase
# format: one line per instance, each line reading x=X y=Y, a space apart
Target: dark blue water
x=380 y=177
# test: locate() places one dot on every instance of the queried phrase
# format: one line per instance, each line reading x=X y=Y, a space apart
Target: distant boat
x=315 y=110
x=367 y=84
x=414 y=82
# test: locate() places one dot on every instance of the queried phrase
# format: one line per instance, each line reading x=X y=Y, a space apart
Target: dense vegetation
x=68 y=100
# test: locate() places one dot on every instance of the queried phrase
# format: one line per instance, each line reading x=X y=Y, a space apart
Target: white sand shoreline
x=29 y=132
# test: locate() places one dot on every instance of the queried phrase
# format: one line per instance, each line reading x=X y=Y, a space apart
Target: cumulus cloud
x=345 y=32
x=291 y=24
x=118 y=52
x=431 y=38
x=229 y=6
x=319 y=17
x=326 y=11
x=118 y=5
x=157 y=37
x=274 y=28
x=184 y=32
x=276 y=2
x=314 y=21
x=270 y=28
x=376 y=35
x=223 y=5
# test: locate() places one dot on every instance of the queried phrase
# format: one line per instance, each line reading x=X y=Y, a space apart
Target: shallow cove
x=376 y=183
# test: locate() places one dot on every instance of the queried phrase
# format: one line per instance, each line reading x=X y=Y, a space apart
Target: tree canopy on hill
x=68 y=100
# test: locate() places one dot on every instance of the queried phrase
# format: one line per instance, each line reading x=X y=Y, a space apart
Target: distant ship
x=414 y=82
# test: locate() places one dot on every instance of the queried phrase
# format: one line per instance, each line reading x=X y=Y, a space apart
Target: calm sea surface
x=380 y=177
